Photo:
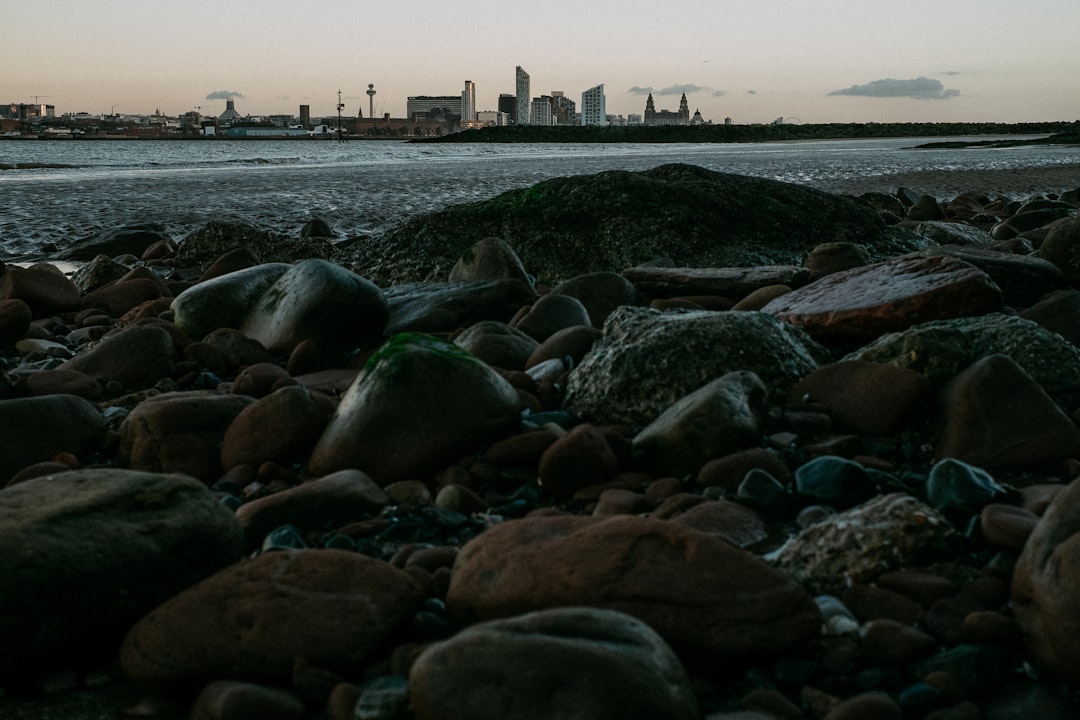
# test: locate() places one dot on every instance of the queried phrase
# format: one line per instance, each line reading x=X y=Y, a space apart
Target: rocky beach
x=663 y=444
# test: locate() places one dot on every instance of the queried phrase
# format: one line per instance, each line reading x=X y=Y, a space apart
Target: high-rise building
x=468 y=102
x=305 y=117
x=540 y=111
x=521 y=106
x=594 y=106
x=563 y=109
x=507 y=104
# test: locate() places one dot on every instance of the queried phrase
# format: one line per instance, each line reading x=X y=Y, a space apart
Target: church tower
x=684 y=111
x=650 y=110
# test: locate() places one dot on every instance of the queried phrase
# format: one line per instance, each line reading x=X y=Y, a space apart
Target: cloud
x=719 y=93
x=640 y=90
x=952 y=73
x=921 y=88
x=751 y=92
x=688 y=88
x=224 y=95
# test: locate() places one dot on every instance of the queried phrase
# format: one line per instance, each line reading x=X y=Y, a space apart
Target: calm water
x=365 y=187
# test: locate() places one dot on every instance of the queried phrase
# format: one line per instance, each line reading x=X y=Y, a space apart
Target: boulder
x=643 y=365
x=940 y=350
x=252 y=620
x=95 y=568
x=731 y=282
x=36 y=429
x=489 y=259
x=700 y=593
x=600 y=293
x=281 y=427
x=1058 y=312
x=870 y=301
x=719 y=418
x=572 y=342
x=97 y=273
x=578 y=459
x=1061 y=246
x=497 y=344
x=134 y=288
x=15 y=317
x=418 y=404
x=834 y=257
x=213 y=240
x=319 y=301
x=952 y=233
x=1023 y=279
x=124 y=240
x=136 y=358
x=446 y=307
x=552 y=313
x=605 y=664
x=224 y=301
x=46 y=290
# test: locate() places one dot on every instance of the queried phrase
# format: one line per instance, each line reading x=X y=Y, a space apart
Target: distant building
x=230 y=115
x=594 y=106
x=521 y=104
x=507 y=104
x=540 y=112
x=666 y=117
x=426 y=106
x=493 y=118
x=305 y=117
x=563 y=109
x=468 y=102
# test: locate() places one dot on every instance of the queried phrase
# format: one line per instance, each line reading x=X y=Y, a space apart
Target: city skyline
x=822 y=61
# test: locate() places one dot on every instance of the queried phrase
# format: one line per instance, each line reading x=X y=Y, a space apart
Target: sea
x=365 y=187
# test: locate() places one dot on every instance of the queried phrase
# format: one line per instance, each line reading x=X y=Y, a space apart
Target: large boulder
x=616 y=219
x=648 y=359
x=252 y=620
x=281 y=427
x=136 y=358
x=702 y=594
x=605 y=664
x=80 y=564
x=419 y=403
x=123 y=240
x=42 y=286
x=223 y=301
x=438 y=307
x=204 y=246
x=36 y=429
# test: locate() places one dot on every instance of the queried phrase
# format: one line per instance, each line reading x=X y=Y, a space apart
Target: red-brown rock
x=137 y=358
x=580 y=458
x=46 y=290
x=281 y=427
x=15 y=317
x=231 y=700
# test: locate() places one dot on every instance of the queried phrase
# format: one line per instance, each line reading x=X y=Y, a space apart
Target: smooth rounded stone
x=869 y=602
x=1023 y=279
x=498 y=344
x=133 y=289
x=621 y=381
x=44 y=289
x=522 y=449
x=574 y=342
x=868 y=706
x=764 y=493
x=459 y=499
x=761 y=297
x=252 y=619
x=410 y=493
x=700 y=593
x=179 y=432
x=727 y=282
x=1058 y=312
x=552 y=313
x=63 y=382
x=600 y=292
x=835 y=481
x=926 y=207
x=868 y=398
x=232 y=700
x=617 y=501
x=136 y=357
x=258 y=380
x=954 y=483
x=580 y=458
x=887 y=533
x=1061 y=246
x=15 y=317
x=729 y=471
x=834 y=257
x=282 y=427
x=940 y=350
x=719 y=418
x=235 y=349
x=867 y=302
x=944 y=232
x=731 y=521
x=559 y=663
x=995 y=416
x=223 y=301
x=214 y=239
x=123 y=240
x=237 y=259
x=1046 y=588
x=36 y=429
x=1036 y=498
x=29 y=345
x=489 y=259
x=95 y=567
x=1030 y=218
x=446 y=307
x=419 y=404
x=894 y=644
x=318 y=300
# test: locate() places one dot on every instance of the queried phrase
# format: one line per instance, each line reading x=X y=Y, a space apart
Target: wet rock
x=1058 y=312
x=552 y=313
x=179 y=433
x=497 y=344
x=618 y=381
x=1023 y=279
x=63 y=382
x=15 y=317
x=894 y=644
x=123 y=240
x=419 y=404
x=719 y=418
x=995 y=416
x=445 y=307
x=281 y=427
x=136 y=357
x=956 y=484
x=834 y=257
x=95 y=569
x=732 y=282
x=234 y=349
x=952 y=233
x=868 y=705
x=605 y=664
x=600 y=292
x=133 y=289
x=576 y=460
x=214 y=239
x=925 y=208
x=46 y=290
x=317 y=300
x=867 y=398
x=38 y=428
x=1061 y=246
x=884 y=534
x=867 y=302
x=1007 y=527
x=835 y=481
x=239 y=259
x=251 y=620
x=573 y=342
x=97 y=273
x=690 y=587
x=489 y=259
x=224 y=301
x=731 y=521
x=259 y=380
x=231 y=700
x=940 y=350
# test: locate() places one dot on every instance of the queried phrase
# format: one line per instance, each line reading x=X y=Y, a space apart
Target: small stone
x=231 y=700
x=835 y=481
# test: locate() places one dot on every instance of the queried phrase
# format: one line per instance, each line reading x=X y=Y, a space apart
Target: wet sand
x=1012 y=182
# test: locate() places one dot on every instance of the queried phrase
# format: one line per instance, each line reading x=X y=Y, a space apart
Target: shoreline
x=949 y=183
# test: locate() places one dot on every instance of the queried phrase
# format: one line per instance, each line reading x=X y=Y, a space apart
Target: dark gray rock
x=123 y=240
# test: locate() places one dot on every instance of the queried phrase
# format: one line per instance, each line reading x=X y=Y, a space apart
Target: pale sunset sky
x=819 y=61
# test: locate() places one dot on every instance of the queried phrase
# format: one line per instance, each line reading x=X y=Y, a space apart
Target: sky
x=811 y=61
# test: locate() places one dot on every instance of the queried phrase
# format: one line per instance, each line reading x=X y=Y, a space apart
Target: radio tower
x=371 y=101
x=340 y=107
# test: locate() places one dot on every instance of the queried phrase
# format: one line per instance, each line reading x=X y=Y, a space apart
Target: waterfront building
x=563 y=109
x=593 y=106
x=540 y=112
x=492 y=118
x=423 y=106
x=521 y=105
x=507 y=104
x=305 y=116
x=468 y=102
x=666 y=117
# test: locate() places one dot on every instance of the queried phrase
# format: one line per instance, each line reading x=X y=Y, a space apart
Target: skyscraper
x=468 y=102
x=521 y=108
x=594 y=106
